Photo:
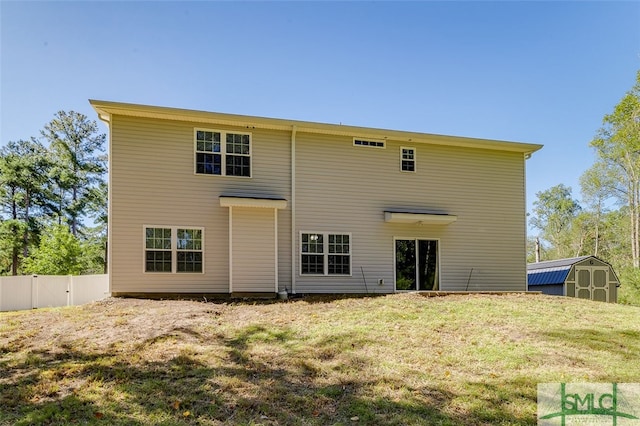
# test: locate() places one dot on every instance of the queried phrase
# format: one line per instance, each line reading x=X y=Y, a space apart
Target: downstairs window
x=173 y=249
x=325 y=254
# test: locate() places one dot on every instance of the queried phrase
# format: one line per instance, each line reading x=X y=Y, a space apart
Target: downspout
x=293 y=209
x=230 y=249
x=527 y=156
x=275 y=234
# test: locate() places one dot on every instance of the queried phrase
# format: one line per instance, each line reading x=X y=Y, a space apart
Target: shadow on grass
x=625 y=343
x=597 y=349
x=265 y=375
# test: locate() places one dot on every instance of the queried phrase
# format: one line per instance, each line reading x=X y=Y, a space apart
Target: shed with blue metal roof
x=586 y=277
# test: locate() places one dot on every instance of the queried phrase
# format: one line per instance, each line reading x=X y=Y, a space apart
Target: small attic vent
x=373 y=144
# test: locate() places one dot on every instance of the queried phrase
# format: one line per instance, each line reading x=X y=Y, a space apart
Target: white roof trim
x=421 y=218
x=253 y=202
x=106 y=108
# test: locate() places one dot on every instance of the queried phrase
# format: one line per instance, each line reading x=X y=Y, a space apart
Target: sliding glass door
x=416 y=264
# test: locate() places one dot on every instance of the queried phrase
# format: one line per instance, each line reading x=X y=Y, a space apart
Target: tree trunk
x=14 y=257
x=580 y=245
x=25 y=235
x=74 y=226
x=14 y=250
x=106 y=257
x=60 y=206
x=635 y=223
x=597 y=231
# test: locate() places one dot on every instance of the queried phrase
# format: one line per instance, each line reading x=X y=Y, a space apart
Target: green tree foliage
x=594 y=185
x=629 y=292
x=23 y=195
x=554 y=212
x=59 y=253
x=617 y=168
x=11 y=241
x=94 y=242
x=97 y=236
x=62 y=183
x=78 y=151
x=532 y=245
x=607 y=224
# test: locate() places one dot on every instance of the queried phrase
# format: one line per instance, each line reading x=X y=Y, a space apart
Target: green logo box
x=568 y=404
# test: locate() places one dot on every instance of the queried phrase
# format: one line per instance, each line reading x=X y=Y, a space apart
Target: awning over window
x=418 y=216
x=248 y=201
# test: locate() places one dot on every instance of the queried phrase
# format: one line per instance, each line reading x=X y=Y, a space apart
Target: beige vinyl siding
x=351 y=187
x=153 y=183
x=253 y=250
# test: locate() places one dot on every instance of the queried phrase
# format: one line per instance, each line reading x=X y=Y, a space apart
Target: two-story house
x=204 y=203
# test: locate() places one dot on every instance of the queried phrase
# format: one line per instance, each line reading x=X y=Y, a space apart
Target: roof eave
x=108 y=108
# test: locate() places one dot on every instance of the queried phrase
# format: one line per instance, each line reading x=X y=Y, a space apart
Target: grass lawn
x=398 y=359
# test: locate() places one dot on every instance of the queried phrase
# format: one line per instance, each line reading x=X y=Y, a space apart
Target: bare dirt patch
x=114 y=322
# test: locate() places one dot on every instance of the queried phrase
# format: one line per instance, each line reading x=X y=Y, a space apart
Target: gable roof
x=556 y=263
x=555 y=271
x=548 y=276
x=551 y=271
x=107 y=108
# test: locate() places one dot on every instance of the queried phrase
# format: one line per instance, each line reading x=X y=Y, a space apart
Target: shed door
x=600 y=285
x=592 y=282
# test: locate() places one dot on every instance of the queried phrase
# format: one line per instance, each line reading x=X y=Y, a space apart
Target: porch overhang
x=259 y=202
x=423 y=218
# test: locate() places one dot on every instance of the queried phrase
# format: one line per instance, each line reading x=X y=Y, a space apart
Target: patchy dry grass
x=400 y=359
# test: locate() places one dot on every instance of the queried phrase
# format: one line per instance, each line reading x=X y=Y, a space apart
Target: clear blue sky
x=539 y=72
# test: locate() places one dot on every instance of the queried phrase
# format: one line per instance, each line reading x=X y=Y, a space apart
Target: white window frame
x=325 y=254
x=376 y=141
x=223 y=152
x=414 y=160
x=174 y=249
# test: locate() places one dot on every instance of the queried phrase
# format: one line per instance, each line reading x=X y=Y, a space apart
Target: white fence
x=41 y=291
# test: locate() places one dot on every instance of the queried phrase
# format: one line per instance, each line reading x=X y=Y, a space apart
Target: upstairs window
x=223 y=153
x=370 y=143
x=407 y=159
x=238 y=158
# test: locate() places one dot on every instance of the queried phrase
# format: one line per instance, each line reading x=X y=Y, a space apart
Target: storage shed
x=586 y=277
